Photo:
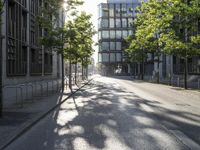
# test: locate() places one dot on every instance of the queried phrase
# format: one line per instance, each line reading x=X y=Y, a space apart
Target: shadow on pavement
x=103 y=116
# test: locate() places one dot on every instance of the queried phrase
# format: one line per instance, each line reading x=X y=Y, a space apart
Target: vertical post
x=1 y=84
x=63 y=74
x=142 y=65
x=70 y=74
x=1 y=64
x=158 y=73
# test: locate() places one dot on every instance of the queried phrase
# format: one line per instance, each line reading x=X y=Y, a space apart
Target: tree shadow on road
x=103 y=116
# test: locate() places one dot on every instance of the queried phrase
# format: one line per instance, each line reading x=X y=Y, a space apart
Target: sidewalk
x=17 y=120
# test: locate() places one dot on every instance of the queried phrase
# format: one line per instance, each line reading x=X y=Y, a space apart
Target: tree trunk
x=158 y=73
x=185 y=73
x=82 y=70
x=142 y=69
x=63 y=75
x=76 y=73
x=86 y=71
x=70 y=74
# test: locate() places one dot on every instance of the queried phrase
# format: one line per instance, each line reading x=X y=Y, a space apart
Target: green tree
x=78 y=41
x=171 y=26
x=182 y=36
x=48 y=19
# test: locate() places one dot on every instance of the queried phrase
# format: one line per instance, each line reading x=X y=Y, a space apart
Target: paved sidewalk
x=16 y=119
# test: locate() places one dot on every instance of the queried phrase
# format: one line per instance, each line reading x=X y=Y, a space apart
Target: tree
x=185 y=32
x=171 y=26
x=49 y=17
x=78 y=41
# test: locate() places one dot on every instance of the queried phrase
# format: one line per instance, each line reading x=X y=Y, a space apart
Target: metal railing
x=29 y=90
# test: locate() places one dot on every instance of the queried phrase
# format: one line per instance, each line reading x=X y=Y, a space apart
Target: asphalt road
x=119 y=114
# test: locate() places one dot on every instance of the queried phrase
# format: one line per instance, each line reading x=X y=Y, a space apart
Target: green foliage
x=78 y=39
x=49 y=18
x=167 y=26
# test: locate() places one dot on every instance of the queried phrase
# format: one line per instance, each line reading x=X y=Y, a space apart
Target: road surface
x=119 y=114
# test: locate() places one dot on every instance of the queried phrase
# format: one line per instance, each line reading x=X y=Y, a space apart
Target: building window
x=124 y=10
x=130 y=10
x=112 y=57
x=112 y=23
x=99 y=35
x=48 y=62
x=118 y=23
x=118 y=57
x=100 y=57
x=118 y=46
x=104 y=23
x=105 y=57
x=99 y=23
x=105 y=34
x=112 y=46
x=105 y=46
x=135 y=10
x=124 y=23
x=118 y=34
x=17 y=37
x=124 y=34
x=111 y=10
x=130 y=22
x=130 y=32
x=104 y=10
x=117 y=10
x=112 y=34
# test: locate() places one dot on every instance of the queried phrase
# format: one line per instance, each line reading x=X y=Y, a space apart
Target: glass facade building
x=114 y=25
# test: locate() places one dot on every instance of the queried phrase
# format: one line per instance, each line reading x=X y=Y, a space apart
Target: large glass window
x=135 y=9
x=105 y=57
x=105 y=34
x=124 y=10
x=99 y=35
x=112 y=34
x=124 y=23
x=100 y=57
x=105 y=46
x=130 y=32
x=118 y=57
x=118 y=46
x=112 y=57
x=117 y=10
x=104 y=10
x=104 y=23
x=118 y=23
x=118 y=34
x=112 y=46
x=130 y=10
x=124 y=34
x=130 y=22
x=111 y=10
x=112 y=23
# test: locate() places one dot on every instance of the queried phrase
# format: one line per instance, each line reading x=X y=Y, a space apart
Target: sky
x=90 y=6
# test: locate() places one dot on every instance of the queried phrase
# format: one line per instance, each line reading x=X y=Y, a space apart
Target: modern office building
x=24 y=59
x=114 y=25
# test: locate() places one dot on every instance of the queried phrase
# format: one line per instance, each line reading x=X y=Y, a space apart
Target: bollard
x=198 y=83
